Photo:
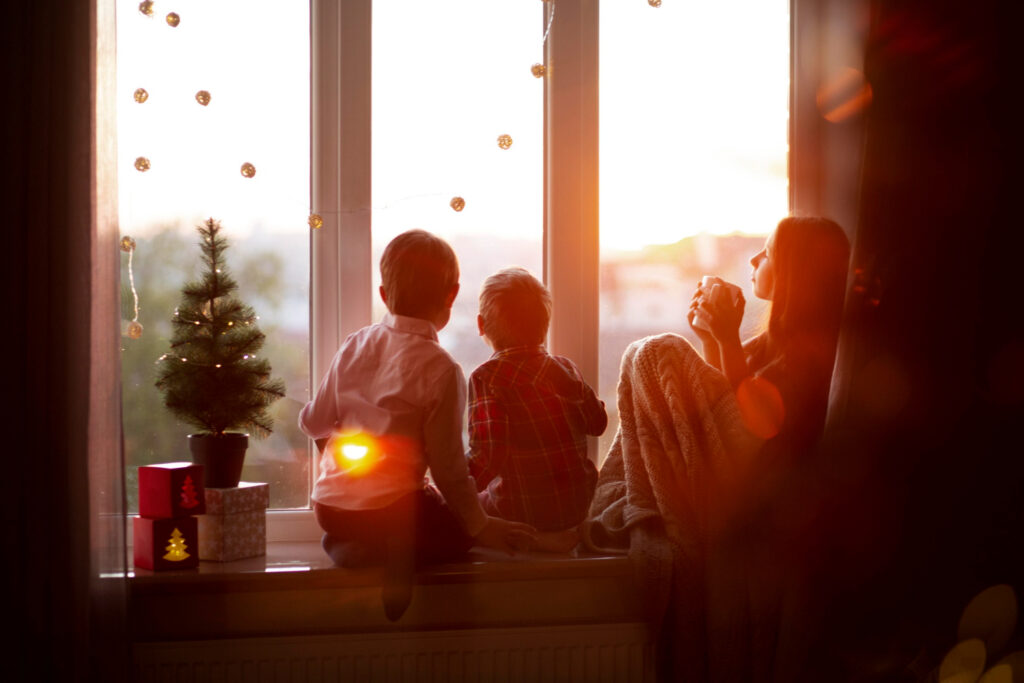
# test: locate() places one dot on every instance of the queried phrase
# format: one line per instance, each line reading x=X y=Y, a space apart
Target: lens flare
x=846 y=94
x=964 y=662
x=355 y=453
x=761 y=406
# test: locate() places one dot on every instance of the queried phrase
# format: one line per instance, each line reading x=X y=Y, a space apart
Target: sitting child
x=390 y=408
x=529 y=416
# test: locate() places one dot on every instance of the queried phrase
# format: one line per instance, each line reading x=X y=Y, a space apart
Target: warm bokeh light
x=355 y=453
x=964 y=663
x=1001 y=673
x=991 y=616
x=847 y=93
x=761 y=406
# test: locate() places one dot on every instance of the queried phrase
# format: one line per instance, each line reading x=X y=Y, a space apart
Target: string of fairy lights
x=315 y=221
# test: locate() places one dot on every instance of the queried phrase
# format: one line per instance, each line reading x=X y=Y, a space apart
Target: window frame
x=340 y=190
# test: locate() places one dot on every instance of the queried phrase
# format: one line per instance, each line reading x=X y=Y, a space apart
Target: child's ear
x=450 y=299
x=480 y=324
x=383 y=296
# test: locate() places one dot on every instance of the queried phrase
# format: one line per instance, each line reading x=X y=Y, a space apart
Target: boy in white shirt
x=389 y=409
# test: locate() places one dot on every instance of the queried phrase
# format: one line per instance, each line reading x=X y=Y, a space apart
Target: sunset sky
x=693 y=116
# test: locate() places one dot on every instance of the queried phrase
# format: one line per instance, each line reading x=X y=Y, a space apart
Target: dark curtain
x=922 y=457
x=62 y=475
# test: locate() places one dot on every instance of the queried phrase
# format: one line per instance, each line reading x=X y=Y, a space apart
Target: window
x=694 y=121
x=436 y=123
x=253 y=63
x=692 y=159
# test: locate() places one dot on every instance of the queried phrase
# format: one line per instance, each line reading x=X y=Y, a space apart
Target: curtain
x=62 y=504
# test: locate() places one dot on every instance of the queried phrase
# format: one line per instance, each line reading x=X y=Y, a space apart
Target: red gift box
x=171 y=489
x=169 y=543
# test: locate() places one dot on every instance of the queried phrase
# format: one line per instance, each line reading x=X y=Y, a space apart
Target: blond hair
x=515 y=307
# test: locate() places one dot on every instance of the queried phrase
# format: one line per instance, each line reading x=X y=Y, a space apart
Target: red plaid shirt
x=529 y=416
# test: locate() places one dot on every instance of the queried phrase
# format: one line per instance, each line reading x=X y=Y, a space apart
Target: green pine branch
x=212 y=378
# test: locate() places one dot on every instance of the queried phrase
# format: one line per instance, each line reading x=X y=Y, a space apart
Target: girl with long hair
x=782 y=375
x=704 y=485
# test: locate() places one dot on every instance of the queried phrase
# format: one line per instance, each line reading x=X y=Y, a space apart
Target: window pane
x=253 y=60
x=448 y=79
x=694 y=117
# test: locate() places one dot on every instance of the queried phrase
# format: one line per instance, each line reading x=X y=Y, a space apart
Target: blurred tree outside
x=162 y=263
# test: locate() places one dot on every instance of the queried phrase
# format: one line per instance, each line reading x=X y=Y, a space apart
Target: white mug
x=713 y=289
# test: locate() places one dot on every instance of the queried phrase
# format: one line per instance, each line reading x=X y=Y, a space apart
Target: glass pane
x=253 y=62
x=449 y=79
x=694 y=119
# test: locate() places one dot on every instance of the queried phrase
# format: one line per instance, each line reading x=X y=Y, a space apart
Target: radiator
x=612 y=652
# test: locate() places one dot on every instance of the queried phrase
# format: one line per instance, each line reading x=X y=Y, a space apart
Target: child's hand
x=508 y=536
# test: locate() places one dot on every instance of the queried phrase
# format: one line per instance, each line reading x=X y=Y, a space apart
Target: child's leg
x=439 y=534
x=352 y=538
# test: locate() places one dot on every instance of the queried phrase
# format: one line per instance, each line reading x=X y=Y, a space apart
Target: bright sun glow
x=354 y=451
x=694 y=115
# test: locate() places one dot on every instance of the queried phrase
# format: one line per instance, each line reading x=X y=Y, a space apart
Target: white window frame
x=341 y=160
x=340 y=169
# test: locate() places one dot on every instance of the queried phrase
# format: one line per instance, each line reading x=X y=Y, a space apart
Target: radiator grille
x=614 y=653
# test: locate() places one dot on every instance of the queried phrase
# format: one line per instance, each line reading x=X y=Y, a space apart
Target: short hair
x=418 y=270
x=515 y=307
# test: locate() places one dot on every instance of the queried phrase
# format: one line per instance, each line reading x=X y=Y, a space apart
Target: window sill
x=295 y=590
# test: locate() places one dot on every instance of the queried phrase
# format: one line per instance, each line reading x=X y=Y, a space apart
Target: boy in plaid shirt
x=529 y=416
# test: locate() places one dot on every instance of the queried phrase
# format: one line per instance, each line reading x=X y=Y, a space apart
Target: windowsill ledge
x=295 y=590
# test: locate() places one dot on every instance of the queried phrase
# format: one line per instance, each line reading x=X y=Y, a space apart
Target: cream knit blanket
x=663 y=489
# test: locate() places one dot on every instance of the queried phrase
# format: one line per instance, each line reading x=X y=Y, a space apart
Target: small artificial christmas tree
x=211 y=378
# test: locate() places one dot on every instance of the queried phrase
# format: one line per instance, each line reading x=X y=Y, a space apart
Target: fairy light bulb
x=538 y=70
x=457 y=203
x=140 y=95
x=316 y=221
x=127 y=243
x=203 y=97
x=146 y=8
x=504 y=141
x=141 y=164
x=248 y=170
x=173 y=19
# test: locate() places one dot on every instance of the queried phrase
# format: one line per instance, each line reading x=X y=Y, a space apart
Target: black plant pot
x=221 y=457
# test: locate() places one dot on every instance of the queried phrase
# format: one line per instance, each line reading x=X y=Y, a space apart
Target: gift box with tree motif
x=166 y=543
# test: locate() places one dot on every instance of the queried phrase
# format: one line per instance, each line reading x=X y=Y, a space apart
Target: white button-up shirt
x=395 y=395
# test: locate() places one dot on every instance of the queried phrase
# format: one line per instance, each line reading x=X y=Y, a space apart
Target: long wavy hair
x=811 y=258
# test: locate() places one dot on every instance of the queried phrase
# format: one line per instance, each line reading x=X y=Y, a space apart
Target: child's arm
x=488 y=433
x=319 y=417
x=443 y=436
x=592 y=411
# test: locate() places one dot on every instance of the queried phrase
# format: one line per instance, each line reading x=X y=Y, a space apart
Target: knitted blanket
x=664 y=491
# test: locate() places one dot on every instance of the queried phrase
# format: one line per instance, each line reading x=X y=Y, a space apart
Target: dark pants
x=420 y=521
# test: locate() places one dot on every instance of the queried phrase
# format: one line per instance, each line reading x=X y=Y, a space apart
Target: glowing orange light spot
x=990 y=616
x=964 y=662
x=355 y=453
x=845 y=94
x=761 y=406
